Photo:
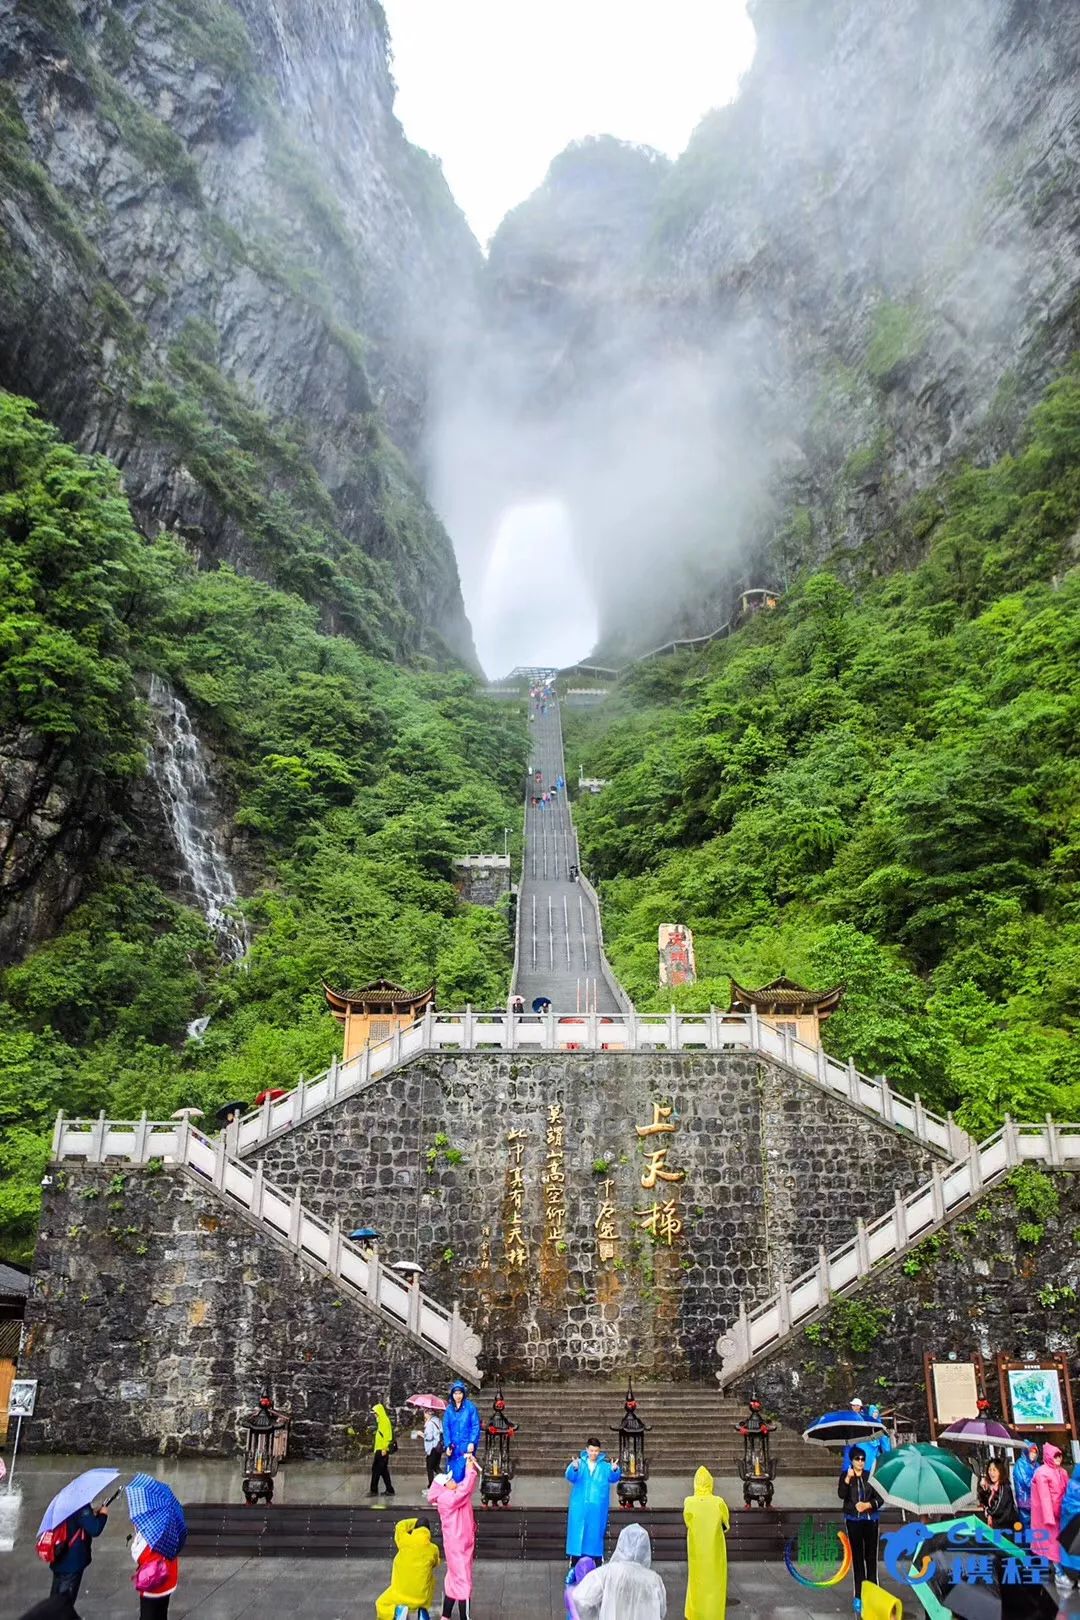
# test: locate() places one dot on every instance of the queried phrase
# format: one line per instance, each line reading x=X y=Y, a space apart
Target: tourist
x=872 y=1446
x=626 y=1589
x=996 y=1498
x=412 y=1574
x=862 y=1501
x=1047 y=1493
x=583 y=1567
x=433 y=1445
x=1070 y=1516
x=1023 y=1473
x=461 y=1429
x=517 y=1004
x=156 y=1578
x=706 y=1518
x=453 y=1501
x=382 y=1447
x=74 y=1552
x=591 y=1477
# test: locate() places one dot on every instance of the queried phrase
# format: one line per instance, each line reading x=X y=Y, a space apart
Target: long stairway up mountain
x=560 y=945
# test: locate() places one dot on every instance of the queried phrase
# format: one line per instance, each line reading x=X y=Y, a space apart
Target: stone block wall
x=482 y=885
x=157 y=1313
x=996 y=1279
x=543 y=1242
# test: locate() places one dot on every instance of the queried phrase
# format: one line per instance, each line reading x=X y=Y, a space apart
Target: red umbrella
x=270 y=1096
x=428 y=1403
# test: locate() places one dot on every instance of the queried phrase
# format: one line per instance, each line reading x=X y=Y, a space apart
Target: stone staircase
x=759 y=1333
x=688 y=1424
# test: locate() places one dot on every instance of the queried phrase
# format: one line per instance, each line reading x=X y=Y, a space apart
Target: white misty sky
x=495 y=88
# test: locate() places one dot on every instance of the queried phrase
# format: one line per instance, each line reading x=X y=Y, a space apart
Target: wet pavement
x=329 y=1589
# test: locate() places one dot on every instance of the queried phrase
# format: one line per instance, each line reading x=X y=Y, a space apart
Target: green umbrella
x=920 y=1478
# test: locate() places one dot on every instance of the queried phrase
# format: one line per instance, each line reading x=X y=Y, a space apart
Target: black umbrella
x=229 y=1111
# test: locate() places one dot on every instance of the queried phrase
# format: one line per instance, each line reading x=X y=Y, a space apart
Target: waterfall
x=179 y=774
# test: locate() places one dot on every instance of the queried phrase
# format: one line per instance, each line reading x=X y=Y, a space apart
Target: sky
x=495 y=88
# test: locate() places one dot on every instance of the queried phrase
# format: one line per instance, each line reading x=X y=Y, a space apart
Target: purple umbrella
x=980 y=1431
x=77 y=1495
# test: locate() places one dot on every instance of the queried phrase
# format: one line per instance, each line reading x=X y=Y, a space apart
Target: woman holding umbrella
x=996 y=1498
x=160 y=1532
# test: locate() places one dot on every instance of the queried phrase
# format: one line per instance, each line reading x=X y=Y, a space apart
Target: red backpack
x=53 y=1544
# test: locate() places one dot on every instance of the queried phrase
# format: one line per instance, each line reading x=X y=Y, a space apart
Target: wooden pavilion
x=373 y=1012
x=789 y=1007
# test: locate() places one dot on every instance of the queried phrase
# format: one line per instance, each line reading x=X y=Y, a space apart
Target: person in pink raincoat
x=455 y=1508
x=1047 y=1489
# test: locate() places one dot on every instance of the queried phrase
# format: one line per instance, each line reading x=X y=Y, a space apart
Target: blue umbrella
x=839 y=1428
x=541 y=1004
x=156 y=1514
x=77 y=1495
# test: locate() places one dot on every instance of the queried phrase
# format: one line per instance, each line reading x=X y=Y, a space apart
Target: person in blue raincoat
x=1070 y=1510
x=461 y=1430
x=591 y=1477
x=1023 y=1473
x=872 y=1447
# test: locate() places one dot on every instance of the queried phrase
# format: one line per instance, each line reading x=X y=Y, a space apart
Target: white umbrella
x=188 y=1113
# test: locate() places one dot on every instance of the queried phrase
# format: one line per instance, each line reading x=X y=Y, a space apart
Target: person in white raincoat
x=625 y=1589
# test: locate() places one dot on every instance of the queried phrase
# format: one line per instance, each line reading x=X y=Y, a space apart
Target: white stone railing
x=502 y=861
x=756 y=1333
x=282 y=1215
x=713 y=1031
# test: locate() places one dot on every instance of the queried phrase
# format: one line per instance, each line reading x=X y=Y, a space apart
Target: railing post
x=333 y=1080
x=886 y=1100
x=510 y=1032
x=414 y=1302
x=673 y=1031
x=1012 y=1142
x=714 y=1028
x=789 y=1050
x=333 y=1248
x=142 y=1132
x=862 y=1247
x=919 y=1112
x=454 y=1331
x=264 y=1119
x=428 y=1022
x=631 y=1032
x=256 y=1203
x=58 y=1134
x=220 y=1161
x=365 y=1065
x=468 y=1035
x=745 y=1348
x=975 y=1175
x=299 y=1106
x=374 y=1278
x=183 y=1142
x=395 y=1048
x=97 y=1144
x=549 y=1030
x=296 y=1215
x=852 y=1081
x=755 y=1032
x=593 y=1034
x=1053 y=1143
x=783 y=1307
x=824 y=1279
x=230 y=1137
x=937 y=1194
x=900 y=1220
x=822 y=1066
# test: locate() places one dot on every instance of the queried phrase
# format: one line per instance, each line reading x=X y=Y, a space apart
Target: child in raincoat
x=591 y=1477
x=412 y=1577
x=1047 y=1492
x=706 y=1518
x=626 y=1589
x=455 y=1509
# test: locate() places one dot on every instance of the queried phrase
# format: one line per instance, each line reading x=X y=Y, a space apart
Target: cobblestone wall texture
x=482 y=885
x=995 y=1279
x=772 y=1167
x=156 y=1314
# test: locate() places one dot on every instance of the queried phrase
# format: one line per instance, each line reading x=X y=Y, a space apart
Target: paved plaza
x=339 y=1589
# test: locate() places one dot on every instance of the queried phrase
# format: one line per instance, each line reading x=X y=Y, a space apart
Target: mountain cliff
x=862 y=271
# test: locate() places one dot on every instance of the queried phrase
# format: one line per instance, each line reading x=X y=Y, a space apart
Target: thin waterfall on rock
x=179 y=773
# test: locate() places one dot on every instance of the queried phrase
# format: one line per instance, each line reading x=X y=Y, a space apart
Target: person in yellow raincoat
x=706 y=1518
x=412 y=1578
x=381 y=1449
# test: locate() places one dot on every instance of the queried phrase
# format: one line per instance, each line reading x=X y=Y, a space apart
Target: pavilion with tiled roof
x=375 y=1010
x=789 y=1007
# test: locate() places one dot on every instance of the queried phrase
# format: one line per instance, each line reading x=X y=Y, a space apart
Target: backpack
x=53 y=1544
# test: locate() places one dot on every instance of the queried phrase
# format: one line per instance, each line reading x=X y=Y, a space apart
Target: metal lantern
x=264 y=1449
x=632 y=1487
x=497 y=1464
x=757 y=1470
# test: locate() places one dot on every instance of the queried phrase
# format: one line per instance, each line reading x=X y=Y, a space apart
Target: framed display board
x=1036 y=1395
x=954 y=1387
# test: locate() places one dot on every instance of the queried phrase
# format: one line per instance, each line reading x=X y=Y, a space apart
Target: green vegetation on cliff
x=883 y=790
x=356 y=783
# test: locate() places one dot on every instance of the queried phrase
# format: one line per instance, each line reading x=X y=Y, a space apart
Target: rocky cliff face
x=864 y=269
x=224 y=267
